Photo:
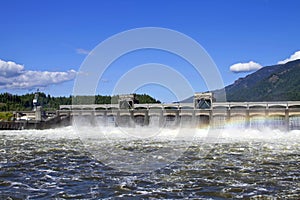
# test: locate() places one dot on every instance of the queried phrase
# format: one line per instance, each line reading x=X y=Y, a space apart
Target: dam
x=203 y=112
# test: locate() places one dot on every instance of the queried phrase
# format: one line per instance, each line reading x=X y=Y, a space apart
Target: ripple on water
x=45 y=165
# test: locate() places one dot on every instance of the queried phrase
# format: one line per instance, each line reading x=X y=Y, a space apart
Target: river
x=114 y=163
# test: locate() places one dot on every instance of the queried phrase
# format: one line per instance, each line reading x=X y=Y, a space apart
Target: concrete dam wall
x=279 y=115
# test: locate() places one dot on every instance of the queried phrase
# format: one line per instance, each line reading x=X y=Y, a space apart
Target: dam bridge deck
x=180 y=106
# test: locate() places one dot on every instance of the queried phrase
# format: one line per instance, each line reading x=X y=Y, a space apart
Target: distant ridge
x=271 y=83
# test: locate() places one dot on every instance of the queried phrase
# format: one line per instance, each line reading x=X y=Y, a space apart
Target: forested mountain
x=271 y=83
x=9 y=102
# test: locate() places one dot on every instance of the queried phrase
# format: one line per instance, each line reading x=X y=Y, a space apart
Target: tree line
x=13 y=102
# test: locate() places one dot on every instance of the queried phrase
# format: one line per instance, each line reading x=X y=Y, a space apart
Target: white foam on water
x=265 y=134
x=143 y=150
x=57 y=133
x=215 y=135
x=148 y=133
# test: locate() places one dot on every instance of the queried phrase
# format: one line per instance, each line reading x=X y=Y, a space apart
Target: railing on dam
x=228 y=105
x=282 y=115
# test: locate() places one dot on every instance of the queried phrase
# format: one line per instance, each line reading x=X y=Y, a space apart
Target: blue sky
x=43 y=43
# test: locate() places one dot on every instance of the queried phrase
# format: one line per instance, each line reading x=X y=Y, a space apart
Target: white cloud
x=82 y=51
x=245 y=67
x=14 y=76
x=295 y=56
x=9 y=68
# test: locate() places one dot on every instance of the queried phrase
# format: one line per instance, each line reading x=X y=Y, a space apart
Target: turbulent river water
x=66 y=163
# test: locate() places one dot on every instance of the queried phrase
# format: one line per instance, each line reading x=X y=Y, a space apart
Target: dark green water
x=54 y=164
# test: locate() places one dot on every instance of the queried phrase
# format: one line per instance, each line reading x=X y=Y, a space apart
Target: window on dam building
x=202 y=100
x=126 y=101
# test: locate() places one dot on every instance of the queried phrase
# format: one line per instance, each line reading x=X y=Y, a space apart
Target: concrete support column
x=211 y=118
x=177 y=118
x=93 y=118
x=247 y=125
x=146 y=119
x=117 y=118
x=194 y=121
x=105 y=118
x=267 y=112
x=287 y=120
x=228 y=116
x=131 y=121
x=267 y=120
x=161 y=118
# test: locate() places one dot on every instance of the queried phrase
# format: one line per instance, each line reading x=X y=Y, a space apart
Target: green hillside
x=271 y=83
